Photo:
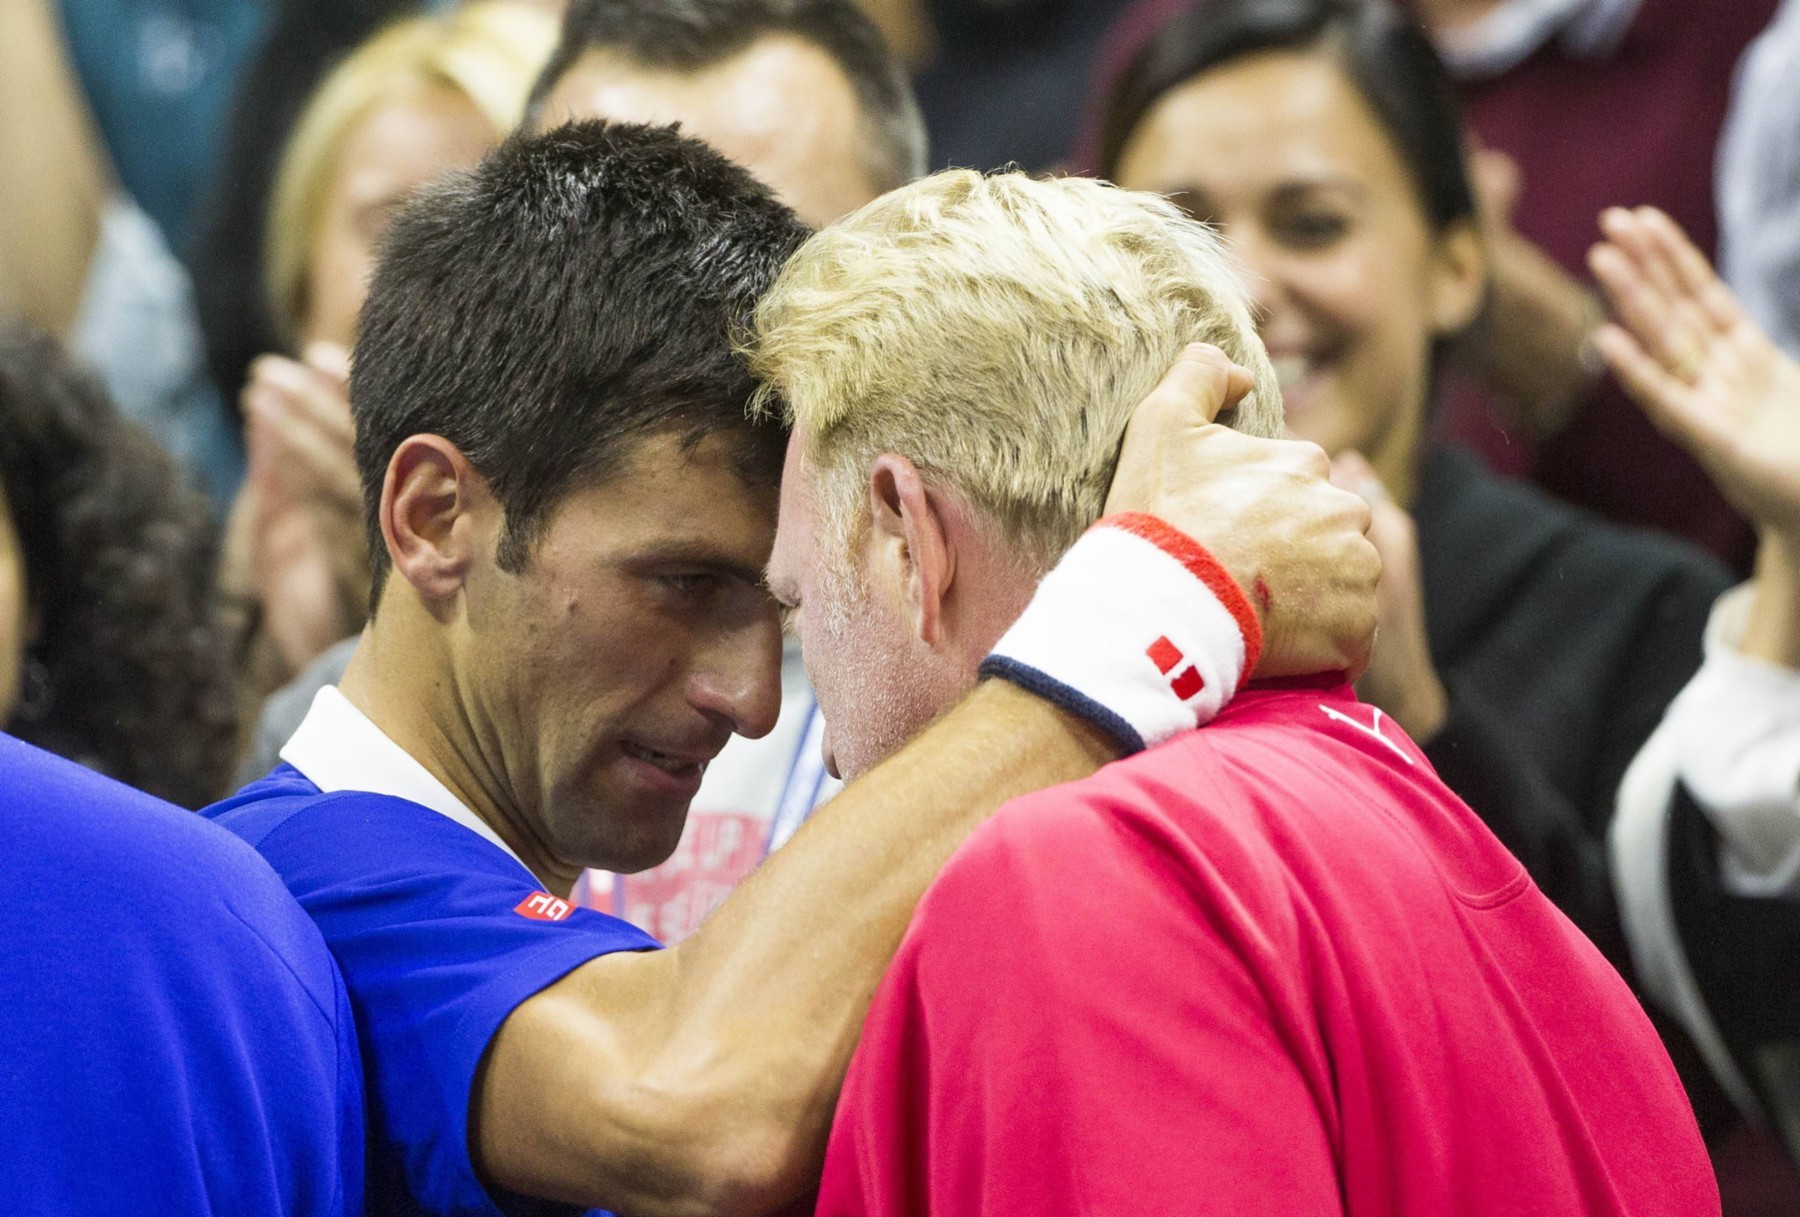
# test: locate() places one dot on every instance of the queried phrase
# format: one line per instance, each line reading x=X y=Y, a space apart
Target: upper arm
x=1069 y=1029
x=579 y=1099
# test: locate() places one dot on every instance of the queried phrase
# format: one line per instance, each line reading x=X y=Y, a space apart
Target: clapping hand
x=307 y=554
x=1700 y=368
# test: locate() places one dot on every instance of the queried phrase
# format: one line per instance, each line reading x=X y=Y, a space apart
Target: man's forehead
x=792 y=521
x=605 y=83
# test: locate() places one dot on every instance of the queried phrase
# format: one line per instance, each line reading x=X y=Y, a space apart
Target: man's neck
x=412 y=694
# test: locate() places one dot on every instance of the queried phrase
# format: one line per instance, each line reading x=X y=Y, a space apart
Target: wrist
x=1772 y=625
x=1778 y=554
x=1137 y=630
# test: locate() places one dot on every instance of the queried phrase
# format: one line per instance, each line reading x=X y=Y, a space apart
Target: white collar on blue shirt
x=337 y=748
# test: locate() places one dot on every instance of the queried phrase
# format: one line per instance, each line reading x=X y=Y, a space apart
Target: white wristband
x=1137 y=629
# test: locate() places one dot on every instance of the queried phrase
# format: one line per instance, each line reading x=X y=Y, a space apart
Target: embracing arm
x=702 y=1079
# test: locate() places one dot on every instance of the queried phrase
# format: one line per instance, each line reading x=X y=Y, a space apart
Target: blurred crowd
x=1529 y=270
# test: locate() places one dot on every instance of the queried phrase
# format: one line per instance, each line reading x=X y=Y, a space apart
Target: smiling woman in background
x=426 y=96
x=1529 y=648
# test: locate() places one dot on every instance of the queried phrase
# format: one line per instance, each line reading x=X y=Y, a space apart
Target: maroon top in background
x=1640 y=126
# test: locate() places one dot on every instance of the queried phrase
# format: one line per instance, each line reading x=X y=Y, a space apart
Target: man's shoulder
x=1160 y=816
x=1290 y=745
x=265 y=804
x=54 y=809
x=1295 y=786
x=187 y=880
x=274 y=802
x=312 y=837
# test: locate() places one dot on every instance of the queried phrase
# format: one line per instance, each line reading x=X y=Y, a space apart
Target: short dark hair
x=689 y=35
x=131 y=672
x=1386 y=55
x=576 y=292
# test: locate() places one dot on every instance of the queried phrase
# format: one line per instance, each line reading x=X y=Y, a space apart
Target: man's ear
x=1459 y=279
x=907 y=532
x=429 y=503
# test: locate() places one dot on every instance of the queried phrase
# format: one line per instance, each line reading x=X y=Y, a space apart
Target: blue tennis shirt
x=441 y=933
x=174 y=1038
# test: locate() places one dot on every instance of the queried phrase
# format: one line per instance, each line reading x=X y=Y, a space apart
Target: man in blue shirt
x=174 y=1046
x=570 y=508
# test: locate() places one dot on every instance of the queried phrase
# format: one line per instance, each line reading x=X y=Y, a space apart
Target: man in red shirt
x=1271 y=967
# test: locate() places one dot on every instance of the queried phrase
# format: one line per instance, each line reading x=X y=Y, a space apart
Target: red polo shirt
x=1271 y=967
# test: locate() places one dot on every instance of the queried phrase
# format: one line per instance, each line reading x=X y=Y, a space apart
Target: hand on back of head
x=1265 y=509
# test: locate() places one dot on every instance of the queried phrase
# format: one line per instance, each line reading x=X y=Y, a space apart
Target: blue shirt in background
x=174 y=1038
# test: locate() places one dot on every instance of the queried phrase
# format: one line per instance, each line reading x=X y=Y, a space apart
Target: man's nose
x=740 y=679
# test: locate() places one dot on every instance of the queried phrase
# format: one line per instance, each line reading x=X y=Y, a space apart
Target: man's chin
x=636 y=836
x=637 y=850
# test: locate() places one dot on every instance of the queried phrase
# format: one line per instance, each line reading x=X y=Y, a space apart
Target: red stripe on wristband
x=1204 y=567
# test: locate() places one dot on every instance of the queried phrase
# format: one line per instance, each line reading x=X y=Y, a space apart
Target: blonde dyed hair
x=490 y=52
x=995 y=330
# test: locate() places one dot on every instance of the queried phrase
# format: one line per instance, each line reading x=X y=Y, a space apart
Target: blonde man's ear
x=909 y=532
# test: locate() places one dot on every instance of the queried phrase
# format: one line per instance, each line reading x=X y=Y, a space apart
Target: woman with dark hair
x=1529 y=648
x=111 y=647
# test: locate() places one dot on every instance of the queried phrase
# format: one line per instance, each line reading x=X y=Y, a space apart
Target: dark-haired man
x=805 y=95
x=570 y=513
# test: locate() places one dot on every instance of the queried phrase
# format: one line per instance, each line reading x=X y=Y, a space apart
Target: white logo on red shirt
x=542 y=906
x=1373 y=729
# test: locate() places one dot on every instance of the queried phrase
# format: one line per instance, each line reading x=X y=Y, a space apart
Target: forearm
x=785 y=970
x=731 y=1047
x=1531 y=347
x=56 y=177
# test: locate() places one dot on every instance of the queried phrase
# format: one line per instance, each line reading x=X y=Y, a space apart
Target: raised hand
x=299 y=413
x=1699 y=367
x=306 y=553
x=1265 y=509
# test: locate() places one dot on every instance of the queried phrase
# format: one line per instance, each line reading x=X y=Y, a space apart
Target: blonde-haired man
x=952 y=321
x=1270 y=967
